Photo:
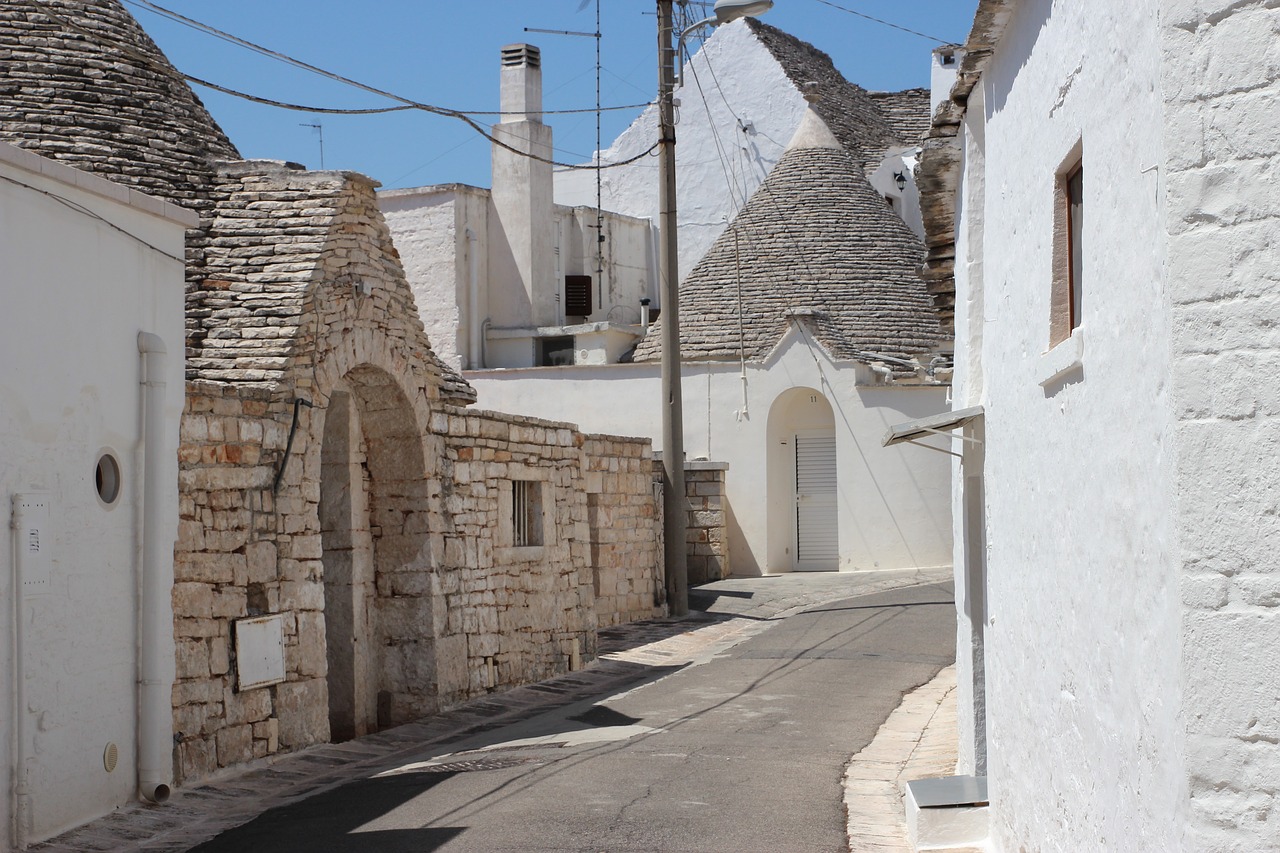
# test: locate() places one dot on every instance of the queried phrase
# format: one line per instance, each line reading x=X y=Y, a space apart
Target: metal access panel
x=259 y=651
x=34 y=541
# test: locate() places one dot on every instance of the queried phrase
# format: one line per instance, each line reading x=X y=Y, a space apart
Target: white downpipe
x=156 y=655
x=18 y=748
x=475 y=330
x=655 y=292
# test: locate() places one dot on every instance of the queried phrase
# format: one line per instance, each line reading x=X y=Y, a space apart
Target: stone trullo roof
x=82 y=83
x=816 y=244
x=866 y=123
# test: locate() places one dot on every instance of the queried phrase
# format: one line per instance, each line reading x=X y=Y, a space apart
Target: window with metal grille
x=526 y=513
x=577 y=295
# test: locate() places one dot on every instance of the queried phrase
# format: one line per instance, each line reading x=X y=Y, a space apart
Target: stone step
x=947 y=813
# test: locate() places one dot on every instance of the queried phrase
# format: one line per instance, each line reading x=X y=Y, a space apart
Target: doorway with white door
x=803 y=483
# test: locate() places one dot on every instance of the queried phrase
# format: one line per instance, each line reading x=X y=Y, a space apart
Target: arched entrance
x=803 y=483
x=374 y=529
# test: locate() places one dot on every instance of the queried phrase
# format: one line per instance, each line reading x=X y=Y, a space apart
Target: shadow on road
x=331 y=822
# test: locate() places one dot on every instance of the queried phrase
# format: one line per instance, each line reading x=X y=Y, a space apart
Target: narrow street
x=743 y=752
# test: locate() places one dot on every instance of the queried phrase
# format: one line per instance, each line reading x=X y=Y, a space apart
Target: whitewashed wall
x=431 y=227
x=751 y=82
x=77 y=291
x=1083 y=670
x=893 y=502
x=1222 y=99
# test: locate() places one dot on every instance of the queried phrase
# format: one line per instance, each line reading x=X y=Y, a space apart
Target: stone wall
x=1221 y=87
x=510 y=613
x=707 y=534
x=233 y=559
x=624 y=515
x=402 y=591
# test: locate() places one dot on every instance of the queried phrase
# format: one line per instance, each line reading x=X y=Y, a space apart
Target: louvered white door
x=817 y=535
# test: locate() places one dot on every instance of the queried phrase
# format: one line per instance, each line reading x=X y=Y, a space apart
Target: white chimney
x=522 y=198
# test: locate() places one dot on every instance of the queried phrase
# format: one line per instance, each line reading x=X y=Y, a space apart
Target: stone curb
x=917 y=741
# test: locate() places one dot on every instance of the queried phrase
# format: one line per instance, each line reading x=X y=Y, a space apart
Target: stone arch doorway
x=374 y=529
x=803 y=483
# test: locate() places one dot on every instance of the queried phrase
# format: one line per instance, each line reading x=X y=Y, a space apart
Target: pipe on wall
x=18 y=712
x=156 y=651
x=475 y=330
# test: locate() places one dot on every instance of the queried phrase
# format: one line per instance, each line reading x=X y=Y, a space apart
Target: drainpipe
x=475 y=351
x=155 y=658
x=18 y=711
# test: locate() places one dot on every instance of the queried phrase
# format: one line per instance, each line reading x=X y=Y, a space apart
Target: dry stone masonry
x=347 y=556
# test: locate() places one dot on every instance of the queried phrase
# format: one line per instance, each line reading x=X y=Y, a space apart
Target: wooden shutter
x=817 y=532
x=577 y=295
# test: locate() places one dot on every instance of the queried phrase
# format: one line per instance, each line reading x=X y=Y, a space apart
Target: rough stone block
x=302 y=708
x=235 y=745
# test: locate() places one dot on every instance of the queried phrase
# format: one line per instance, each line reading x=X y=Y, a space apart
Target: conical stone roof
x=82 y=83
x=815 y=244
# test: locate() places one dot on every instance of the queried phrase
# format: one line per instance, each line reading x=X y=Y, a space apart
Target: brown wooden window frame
x=1066 y=297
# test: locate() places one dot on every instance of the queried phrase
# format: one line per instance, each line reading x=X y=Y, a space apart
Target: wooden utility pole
x=675 y=503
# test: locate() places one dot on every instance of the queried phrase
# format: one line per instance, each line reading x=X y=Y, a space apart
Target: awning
x=912 y=431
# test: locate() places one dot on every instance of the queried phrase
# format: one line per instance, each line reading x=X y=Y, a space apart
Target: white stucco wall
x=430 y=231
x=1221 y=91
x=1083 y=672
x=77 y=291
x=718 y=163
x=893 y=502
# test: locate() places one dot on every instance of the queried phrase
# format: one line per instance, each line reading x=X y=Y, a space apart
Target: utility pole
x=675 y=503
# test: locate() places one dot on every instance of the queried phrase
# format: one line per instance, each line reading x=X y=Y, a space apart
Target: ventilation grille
x=577 y=295
x=516 y=55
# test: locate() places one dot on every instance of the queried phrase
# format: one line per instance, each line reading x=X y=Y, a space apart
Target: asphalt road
x=742 y=753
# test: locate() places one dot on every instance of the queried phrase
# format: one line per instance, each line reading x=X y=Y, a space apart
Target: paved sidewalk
x=918 y=741
x=726 y=613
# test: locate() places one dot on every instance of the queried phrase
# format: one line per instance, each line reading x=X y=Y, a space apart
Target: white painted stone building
x=816 y=330
x=1103 y=175
x=742 y=99
x=91 y=369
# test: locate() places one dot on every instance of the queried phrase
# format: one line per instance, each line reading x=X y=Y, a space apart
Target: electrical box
x=34 y=541
x=259 y=651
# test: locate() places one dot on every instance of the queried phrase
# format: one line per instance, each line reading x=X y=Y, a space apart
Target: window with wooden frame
x=1067 y=298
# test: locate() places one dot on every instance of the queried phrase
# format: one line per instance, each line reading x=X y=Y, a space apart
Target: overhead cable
x=884 y=22
x=407 y=103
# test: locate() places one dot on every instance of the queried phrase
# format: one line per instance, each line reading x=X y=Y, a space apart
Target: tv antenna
x=599 y=181
x=319 y=128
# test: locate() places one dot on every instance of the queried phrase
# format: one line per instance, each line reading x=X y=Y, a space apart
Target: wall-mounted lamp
x=900 y=178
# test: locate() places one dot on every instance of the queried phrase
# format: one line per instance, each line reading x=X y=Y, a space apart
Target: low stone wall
x=707 y=535
x=624 y=516
x=510 y=611
x=412 y=568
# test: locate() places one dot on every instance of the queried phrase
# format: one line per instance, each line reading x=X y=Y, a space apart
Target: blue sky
x=445 y=52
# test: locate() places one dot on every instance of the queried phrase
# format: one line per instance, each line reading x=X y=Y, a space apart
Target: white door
x=817 y=535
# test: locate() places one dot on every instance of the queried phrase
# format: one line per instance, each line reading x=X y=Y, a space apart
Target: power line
x=408 y=103
x=79 y=208
x=883 y=22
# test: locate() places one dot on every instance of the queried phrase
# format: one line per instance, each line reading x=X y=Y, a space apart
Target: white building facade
x=1114 y=234
x=91 y=392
